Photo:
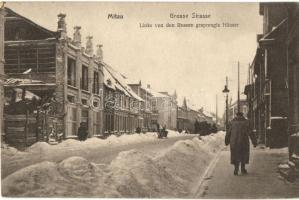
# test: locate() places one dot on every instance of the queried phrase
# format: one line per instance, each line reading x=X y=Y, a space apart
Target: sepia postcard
x=190 y=100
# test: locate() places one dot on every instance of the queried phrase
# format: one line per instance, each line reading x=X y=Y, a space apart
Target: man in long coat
x=82 y=131
x=238 y=137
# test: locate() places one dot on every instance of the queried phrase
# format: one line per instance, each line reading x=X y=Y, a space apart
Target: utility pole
x=225 y=92
x=238 y=86
x=216 y=110
x=226 y=103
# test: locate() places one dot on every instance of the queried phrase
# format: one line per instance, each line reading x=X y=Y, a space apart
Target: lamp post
x=225 y=92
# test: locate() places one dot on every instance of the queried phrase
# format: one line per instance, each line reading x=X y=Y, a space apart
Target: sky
x=194 y=62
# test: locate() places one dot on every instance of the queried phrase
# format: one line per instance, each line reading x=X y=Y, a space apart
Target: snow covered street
x=94 y=149
x=165 y=168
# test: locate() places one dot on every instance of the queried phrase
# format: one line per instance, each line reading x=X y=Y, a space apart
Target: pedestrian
x=159 y=131
x=82 y=132
x=164 y=132
x=238 y=138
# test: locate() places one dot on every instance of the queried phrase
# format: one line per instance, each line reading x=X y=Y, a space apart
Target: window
x=84 y=102
x=95 y=88
x=71 y=98
x=84 y=85
x=84 y=117
x=121 y=101
x=71 y=72
x=109 y=122
x=71 y=128
x=97 y=123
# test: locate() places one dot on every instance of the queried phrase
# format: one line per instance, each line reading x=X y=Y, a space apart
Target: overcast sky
x=192 y=61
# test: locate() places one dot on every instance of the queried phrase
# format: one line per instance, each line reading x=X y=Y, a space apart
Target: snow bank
x=9 y=151
x=73 y=177
x=71 y=145
x=187 y=159
x=131 y=174
x=39 y=147
x=136 y=175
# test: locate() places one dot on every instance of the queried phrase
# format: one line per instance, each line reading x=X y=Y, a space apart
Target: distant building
x=146 y=105
x=121 y=104
x=183 y=122
x=166 y=108
x=233 y=109
x=188 y=114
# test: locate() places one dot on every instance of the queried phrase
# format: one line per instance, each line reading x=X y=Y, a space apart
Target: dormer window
x=109 y=82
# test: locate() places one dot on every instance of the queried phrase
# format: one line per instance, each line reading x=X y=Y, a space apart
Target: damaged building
x=65 y=78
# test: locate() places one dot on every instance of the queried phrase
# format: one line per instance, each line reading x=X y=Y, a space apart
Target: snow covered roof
x=18 y=81
x=133 y=81
x=206 y=113
x=190 y=105
x=118 y=81
x=156 y=94
x=25 y=82
x=109 y=81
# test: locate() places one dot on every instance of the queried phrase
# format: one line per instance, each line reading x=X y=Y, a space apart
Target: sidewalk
x=262 y=180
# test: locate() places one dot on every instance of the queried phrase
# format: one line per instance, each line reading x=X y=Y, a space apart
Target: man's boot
x=243 y=170
x=236 y=171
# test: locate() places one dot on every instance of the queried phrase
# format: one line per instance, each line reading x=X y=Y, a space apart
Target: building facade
x=68 y=73
x=146 y=108
x=167 y=107
x=273 y=90
x=233 y=109
x=2 y=19
x=292 y=41
x=121 y=105
x=182 y=119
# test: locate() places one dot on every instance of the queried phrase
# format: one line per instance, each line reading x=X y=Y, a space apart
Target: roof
x=155 y=93
x=207 y=114
x=14 y=82
x=190 y=105
x=10 y=11
x=20 y=81
x=276 y=30
x=118 y=81
x=109 y=81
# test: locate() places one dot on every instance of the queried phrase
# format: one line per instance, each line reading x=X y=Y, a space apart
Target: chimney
x=99 y=52
x=62 y=25
x=89 y=47
x=77 y=36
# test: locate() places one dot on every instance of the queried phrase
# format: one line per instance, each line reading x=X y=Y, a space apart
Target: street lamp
x=225 y=92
